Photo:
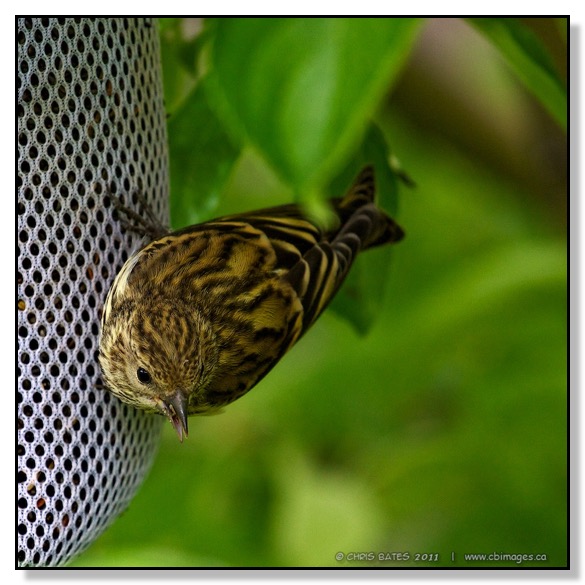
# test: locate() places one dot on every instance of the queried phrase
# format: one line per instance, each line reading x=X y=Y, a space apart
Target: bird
x=199 y=316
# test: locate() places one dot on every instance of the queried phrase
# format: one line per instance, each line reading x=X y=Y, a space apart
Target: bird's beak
x=176 y=410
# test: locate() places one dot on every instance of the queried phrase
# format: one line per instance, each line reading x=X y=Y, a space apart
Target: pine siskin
x=198 y=316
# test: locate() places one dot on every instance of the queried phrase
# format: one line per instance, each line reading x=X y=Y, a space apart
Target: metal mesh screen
x=90 y=120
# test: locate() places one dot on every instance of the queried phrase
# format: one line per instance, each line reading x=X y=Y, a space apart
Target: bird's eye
x=143 y=376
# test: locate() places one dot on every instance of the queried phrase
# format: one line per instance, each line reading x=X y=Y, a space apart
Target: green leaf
x=201 y=158
x=303 y=90
x=177 y=80
x=180 y=53
x=372 y=150
x=562 y=26
x=529 y=59
x=361 y=297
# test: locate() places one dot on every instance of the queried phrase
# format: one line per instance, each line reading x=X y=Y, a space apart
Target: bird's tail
x=364 y=224
x=323 y=268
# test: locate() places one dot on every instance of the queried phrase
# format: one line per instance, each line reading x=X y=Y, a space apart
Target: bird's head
x=158 y=356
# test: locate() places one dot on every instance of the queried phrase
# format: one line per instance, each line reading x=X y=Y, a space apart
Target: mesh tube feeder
x=90 y=119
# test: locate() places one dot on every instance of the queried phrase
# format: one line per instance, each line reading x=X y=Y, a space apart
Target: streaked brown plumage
x=197 y=317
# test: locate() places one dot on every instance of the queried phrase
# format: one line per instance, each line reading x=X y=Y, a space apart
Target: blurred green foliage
x=530 y=60
x=306 y=94
x=443 y=430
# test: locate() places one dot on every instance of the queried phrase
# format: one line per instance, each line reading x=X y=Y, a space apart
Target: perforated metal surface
x=90 y=118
